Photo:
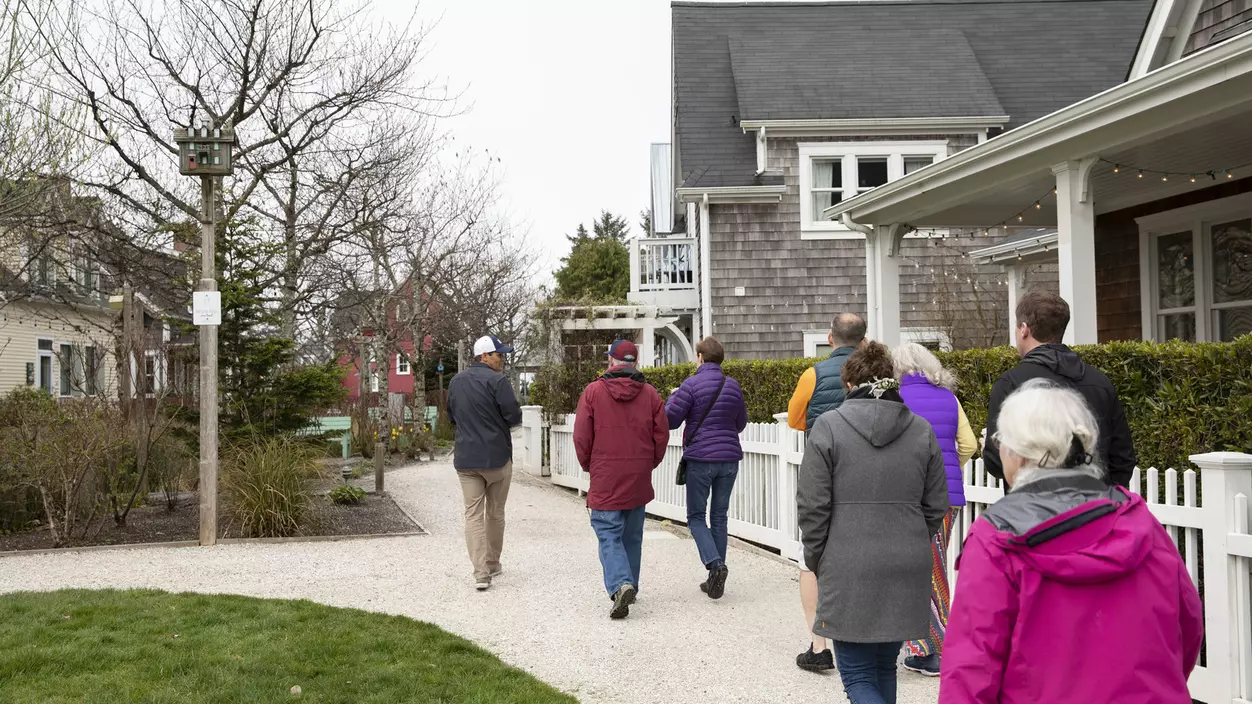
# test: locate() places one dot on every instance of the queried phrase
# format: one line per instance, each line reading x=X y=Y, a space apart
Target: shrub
x=172 y=467
x=1180 y=398
x=347 y=495
x=265 y=485
x=70 y=453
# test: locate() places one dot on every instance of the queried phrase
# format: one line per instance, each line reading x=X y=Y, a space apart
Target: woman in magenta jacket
x=1069 y=590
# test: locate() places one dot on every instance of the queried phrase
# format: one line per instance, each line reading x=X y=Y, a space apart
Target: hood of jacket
x=879 y=421
x=1073 y=527
x=623 y=382
x=1059 y=359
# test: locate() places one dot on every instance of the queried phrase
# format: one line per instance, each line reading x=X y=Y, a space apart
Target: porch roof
x=1186 y=118
x=1028 y=244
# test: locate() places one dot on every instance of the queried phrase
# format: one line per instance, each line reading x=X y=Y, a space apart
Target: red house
x=358 y=339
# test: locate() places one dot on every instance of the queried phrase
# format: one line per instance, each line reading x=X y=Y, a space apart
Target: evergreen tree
x=262 y=392
x=597 y=269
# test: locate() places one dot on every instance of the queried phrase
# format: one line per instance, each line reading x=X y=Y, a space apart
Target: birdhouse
x=204 y=150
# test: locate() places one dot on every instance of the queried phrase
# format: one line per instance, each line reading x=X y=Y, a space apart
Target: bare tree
x=300 y=81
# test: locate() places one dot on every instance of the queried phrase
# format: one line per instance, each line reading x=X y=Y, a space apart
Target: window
x=933 y=339
x=93 y=368
x=831 y=172
x=44 y=353
x=149 y=374
x=402 y=365
x=1196 y=272
x=66 y=364
x=817 y=344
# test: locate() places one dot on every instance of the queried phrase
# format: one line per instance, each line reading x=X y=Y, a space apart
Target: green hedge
x=1180 y=398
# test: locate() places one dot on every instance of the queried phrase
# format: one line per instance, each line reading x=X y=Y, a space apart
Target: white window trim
x=1198 y=219
x=54 y=381
x=813 y=339
x=895 y=152
x=403 y=368
x=926 y=335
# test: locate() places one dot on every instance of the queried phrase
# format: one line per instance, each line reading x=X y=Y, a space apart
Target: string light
x=1194 y=176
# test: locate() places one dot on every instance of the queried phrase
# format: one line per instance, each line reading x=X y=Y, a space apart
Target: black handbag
x=681 y=477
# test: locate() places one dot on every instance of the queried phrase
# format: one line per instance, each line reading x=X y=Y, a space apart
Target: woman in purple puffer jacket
x=712 y=452
x=926 y=388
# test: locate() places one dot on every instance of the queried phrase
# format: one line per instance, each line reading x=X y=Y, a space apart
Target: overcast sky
x=569 y=93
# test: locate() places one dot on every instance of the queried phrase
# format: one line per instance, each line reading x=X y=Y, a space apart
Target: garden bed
x=156 y=524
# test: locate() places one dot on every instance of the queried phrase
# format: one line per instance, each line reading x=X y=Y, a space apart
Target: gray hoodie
x=872 y=491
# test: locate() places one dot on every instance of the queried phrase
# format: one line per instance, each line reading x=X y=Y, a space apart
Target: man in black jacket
x=484 y=410
x=1041 y=321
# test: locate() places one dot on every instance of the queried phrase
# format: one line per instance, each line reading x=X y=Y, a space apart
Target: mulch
x=157 y=523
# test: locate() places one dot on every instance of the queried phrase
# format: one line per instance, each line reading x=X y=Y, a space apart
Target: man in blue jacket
x=484 y=410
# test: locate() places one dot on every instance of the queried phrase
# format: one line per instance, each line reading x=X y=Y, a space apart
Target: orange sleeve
x=798 y=409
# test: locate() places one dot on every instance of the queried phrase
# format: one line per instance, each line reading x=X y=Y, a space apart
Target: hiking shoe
x=816 y=662
x=928 y=666
x=704 y=586
x=622 y=600
x=482 y=584
x=717 y=581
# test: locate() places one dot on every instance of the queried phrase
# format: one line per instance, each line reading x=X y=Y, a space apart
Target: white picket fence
x=1208 y=519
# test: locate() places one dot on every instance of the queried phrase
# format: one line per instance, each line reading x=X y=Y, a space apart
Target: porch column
x=1075 y=219
x=882 y=285
x=634 y=264
x=1014 y=282
x=647 y=346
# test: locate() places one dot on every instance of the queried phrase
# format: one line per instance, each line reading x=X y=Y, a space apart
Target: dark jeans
x=703 y=478
x=868 y=671
x=621 y=546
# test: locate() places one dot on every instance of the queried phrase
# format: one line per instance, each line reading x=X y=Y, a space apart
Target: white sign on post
x=206 y=308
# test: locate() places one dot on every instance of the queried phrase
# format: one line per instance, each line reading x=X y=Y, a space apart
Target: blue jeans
x=621 y=546
x=868 y=671
x=702 y=478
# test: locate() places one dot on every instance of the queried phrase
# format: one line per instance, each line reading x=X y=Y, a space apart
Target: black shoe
x=704 y=586
x=717 y=581
x=622 y=600
x=928 y=666
x=816 y=662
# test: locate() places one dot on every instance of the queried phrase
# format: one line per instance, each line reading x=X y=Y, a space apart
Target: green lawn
x=149 y=646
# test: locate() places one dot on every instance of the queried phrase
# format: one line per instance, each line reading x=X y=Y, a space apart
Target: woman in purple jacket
x=714 y=402
x=927 y=390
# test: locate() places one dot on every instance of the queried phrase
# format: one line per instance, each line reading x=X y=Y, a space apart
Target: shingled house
x=1151 y=183
x=783 y=110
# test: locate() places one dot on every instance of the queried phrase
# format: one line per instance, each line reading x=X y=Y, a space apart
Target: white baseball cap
x=490 y=343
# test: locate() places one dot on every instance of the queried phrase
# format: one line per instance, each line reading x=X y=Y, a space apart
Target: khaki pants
x=485 y=491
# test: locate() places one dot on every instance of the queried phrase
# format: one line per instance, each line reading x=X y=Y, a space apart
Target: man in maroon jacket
x=620 y=435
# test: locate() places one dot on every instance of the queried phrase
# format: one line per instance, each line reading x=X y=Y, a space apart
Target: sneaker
x=622 y=600
x=482 y=584
x=497 y=572
x=928 y=666
x=704 y=586
x=816 y=662
x=717 y=581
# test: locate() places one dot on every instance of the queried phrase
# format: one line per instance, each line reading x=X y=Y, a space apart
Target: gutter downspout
x=872 y=303
x=706 y=290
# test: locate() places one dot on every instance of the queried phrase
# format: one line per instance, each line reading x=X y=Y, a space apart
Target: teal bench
x=333 y=424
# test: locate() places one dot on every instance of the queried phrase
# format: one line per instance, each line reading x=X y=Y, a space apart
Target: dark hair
x=711 y=349
x=869 y=362
x=848 y=328
x=1046 y=313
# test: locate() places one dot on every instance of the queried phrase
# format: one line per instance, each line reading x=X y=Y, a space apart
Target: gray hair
x=848 y=329
x=1040 y=421
x=912 y=358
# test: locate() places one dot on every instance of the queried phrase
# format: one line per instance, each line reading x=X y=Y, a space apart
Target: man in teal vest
x=820 y=390
x=821 y=387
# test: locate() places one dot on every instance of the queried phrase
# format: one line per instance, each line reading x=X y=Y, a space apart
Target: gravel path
x=547 y=614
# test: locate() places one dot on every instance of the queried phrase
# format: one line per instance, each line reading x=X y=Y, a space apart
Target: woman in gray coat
x=872 y=493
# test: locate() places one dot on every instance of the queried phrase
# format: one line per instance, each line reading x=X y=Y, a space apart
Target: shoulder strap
x=696 y=428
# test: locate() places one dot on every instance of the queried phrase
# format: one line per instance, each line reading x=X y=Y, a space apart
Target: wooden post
x=208 y=372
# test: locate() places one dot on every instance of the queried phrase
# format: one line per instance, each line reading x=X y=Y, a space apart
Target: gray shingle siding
x=1038 y=57
x=793 y=285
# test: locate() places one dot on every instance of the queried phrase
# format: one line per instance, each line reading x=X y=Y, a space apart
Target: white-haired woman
x=1064 y=556
x=927 y=389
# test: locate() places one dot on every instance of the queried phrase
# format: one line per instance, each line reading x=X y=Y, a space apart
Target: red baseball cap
x=624 y=350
